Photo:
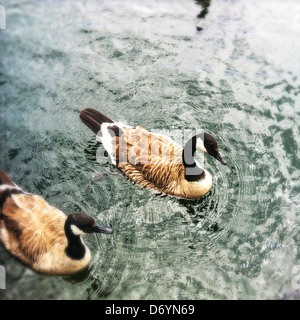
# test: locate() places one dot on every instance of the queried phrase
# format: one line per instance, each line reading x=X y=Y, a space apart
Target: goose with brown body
x=155 y=161
x=41 y=236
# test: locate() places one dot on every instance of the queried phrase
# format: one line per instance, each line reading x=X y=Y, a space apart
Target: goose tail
x=105 y=129
x=5 y=180
x=94 y=119
x=7 y=188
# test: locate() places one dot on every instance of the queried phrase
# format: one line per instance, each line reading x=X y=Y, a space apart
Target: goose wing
x=31 y=227
x=149 y=159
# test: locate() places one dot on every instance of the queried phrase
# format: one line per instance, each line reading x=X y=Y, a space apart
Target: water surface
x=231 y=68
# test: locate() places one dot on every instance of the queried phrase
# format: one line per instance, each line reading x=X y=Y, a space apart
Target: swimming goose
x=41 y=236
x=152 y=160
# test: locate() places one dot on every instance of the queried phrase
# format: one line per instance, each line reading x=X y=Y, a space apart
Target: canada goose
x=152 y=160
x=41 y=236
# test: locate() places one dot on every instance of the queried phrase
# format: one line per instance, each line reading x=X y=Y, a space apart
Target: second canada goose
x=41 y=236
x=152 y=160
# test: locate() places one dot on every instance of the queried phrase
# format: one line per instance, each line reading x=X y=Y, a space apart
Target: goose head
x=81 y=223
x=77 y=225
x=208 y=144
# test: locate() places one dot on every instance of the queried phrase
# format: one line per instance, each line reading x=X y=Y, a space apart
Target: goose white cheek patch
x=200 y=145
x=76 y=231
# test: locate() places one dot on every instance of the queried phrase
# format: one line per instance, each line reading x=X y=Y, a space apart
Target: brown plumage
x=35 y=232
x=148 y=159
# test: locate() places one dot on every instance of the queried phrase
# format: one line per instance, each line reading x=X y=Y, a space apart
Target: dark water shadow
x=204 y=11
x=79 y=276
x=205 y=5
x=90 y=150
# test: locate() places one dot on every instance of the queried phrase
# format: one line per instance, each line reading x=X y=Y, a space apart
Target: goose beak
x=220 y=158
x=101 y=229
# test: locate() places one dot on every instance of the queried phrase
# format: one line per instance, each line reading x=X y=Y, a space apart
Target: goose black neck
x=75 y=249
x=191 y=171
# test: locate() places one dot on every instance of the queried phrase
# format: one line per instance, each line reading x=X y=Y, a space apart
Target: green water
x=168 y=66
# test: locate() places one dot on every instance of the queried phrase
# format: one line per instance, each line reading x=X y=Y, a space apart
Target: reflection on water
x=144 y=63
x=205 y=5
